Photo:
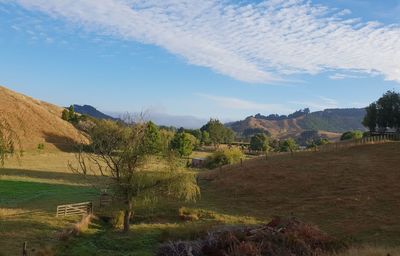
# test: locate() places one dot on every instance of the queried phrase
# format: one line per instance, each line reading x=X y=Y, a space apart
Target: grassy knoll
x=352 y=194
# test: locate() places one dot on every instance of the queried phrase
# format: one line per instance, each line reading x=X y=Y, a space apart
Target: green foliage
x=205 y=138
x=69 y=115
x=166 y=136
x=40 y=146
x=289 y=145
x=317 y=142
x=385 y=113
x=121 y=152
x=248 y=132
x=224 y=157
x=370 y=119
x=337 y=120
x=218 y=132
x=65 y=115
x=352 y=135
x=259 y=142
x=183 y=143
x=152 y=138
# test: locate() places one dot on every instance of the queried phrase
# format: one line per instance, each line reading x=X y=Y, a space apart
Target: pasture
x=352 y=194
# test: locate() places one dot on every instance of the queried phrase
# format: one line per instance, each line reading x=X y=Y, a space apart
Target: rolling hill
x=329 y=123
x=37 y=122
x=352 y=193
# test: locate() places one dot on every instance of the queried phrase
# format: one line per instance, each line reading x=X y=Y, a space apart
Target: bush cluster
x=224 y=157
x=280 y=237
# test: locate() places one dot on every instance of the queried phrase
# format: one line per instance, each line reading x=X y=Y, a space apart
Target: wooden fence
x=351 y=143
x=74 y=209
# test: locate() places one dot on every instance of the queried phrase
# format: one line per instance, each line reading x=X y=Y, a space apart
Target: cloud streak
x=257 y=43
x=240 y=104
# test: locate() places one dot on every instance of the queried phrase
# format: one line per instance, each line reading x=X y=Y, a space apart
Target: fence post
x=24 y=249
x=241 y=161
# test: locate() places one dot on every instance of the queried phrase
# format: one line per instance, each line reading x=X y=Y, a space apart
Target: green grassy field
x=352 y=194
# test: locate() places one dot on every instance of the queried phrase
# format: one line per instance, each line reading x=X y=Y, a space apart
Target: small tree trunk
x=127 y=216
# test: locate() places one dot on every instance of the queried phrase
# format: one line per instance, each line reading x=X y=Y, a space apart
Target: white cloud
x=341 y=76
x=320 y=104
x=258 y=43
x=240 y=104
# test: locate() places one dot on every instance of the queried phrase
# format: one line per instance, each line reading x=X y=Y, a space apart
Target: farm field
x=351 y=194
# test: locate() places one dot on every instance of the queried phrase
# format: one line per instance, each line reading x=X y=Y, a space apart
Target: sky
x=224 y=59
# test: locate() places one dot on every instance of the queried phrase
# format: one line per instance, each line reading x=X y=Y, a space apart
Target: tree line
x=383 y=114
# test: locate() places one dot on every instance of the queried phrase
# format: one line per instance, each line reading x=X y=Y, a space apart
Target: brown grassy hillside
x=37 y=122
x=354 y=193
x=280 y=129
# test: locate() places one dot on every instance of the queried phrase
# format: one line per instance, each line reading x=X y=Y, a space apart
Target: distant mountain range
x=328 y=122
x=91 y=111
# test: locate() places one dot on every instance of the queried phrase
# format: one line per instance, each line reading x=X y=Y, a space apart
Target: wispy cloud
x=341 y=76
x=320 y=103
x=240 y=104
x=259 y=43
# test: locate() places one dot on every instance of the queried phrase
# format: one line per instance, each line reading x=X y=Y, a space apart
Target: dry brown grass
x=37 y=122
x=352 y=194
x=76 y=228
x=370 y=251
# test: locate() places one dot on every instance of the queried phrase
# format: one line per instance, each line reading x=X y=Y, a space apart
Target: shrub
x=117 y=220
x=224 y=157
x=352 y=135
x=40 y=146
x=280 y=237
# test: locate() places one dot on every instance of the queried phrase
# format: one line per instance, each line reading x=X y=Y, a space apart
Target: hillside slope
x=352 y=193
x=328 y=122
x=37 y=122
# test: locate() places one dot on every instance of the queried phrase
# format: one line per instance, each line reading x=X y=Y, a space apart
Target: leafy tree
x=218 y=132
x=205 y=138
x=259 y=142
x=152 y=138
x=352 y=135
x=370 y=119
x=166 y=136
x=120 y=153
x=385 y=113
x=70 y=115
x=388 y=107
x=183 y=143
x=289 y=145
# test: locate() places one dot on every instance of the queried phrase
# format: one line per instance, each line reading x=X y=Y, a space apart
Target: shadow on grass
x=42 y=196
x=63 y=143
x=38 y=232
x=48 y=175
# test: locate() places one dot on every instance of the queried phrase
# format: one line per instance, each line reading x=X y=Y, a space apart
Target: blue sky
x=225 y=59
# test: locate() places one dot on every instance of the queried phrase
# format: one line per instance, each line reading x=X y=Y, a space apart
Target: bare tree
x=121 y=152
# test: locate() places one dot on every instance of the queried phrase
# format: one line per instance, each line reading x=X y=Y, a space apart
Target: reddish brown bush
x=280 y=237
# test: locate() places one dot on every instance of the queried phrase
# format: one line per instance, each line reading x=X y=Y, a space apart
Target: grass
x=28 y=200
x=352 y=194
